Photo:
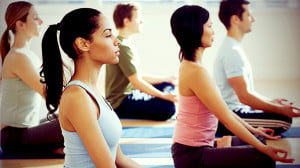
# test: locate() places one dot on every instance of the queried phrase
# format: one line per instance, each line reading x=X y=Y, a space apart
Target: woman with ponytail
x=22 y=132
x=89 y=125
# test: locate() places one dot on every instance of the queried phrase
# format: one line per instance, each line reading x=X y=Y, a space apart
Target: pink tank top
x=195 y=124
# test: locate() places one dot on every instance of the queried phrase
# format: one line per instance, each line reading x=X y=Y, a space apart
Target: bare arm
x=78 y=112
x=140 y=84
x=256 y=101
x=265 y=132
x=205 y=89
x=20 y=66
x=152 y=79
x=123 y=161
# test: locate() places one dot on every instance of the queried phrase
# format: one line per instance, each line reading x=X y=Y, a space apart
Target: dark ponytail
x=52 y=69
x=82 y=22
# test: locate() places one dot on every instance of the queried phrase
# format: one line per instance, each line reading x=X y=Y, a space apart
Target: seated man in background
x=131 y=94
x=233 y=75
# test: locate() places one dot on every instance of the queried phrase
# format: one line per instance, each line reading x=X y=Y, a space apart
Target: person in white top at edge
x=233 y=75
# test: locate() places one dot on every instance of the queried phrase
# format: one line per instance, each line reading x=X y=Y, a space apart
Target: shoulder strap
x=90 y=92
x=86 y=88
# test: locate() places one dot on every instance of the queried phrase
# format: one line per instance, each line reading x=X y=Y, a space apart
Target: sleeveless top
x=195 y=124
x=76 y=155
x=20 y=104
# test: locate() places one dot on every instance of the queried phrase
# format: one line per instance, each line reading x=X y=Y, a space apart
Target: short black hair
x=187 y=27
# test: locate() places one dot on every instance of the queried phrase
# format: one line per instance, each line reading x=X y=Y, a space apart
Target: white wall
x=273 y=46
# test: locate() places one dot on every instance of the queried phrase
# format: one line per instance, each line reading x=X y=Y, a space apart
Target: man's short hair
x=229 y=8
x=122 y=11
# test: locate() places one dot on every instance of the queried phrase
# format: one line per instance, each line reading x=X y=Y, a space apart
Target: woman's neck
x=199 y=54
x=235 y=34
x=87 y=73
x=21 y=41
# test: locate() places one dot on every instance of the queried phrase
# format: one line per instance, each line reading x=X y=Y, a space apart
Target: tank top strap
x=86 y=88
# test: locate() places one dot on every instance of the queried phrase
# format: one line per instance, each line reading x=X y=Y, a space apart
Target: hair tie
x=11 y=36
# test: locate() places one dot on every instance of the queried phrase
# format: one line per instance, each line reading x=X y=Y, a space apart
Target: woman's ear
x=20 y=25
x=82 y=44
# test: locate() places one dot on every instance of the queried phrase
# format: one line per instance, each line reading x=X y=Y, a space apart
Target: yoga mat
x=293 y=132
x=147 y=132
x=147 y=150
x=167 y=132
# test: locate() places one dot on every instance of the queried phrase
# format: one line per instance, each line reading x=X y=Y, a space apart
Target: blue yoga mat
x=167 y=132
x=293 y=132
x=147 y=150
x=147 y=132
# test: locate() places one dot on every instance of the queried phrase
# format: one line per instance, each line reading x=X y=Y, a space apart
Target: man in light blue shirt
x=233 y=75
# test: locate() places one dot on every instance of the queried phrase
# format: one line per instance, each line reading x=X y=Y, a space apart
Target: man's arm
x=156 y=79
x=256 y=101
x=142 y=85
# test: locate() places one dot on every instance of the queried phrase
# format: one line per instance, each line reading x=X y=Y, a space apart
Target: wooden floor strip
x=154 y=161
x=32 y=163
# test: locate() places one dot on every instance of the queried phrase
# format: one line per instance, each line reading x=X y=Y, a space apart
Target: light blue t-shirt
x=232 y=61
x=76 y=155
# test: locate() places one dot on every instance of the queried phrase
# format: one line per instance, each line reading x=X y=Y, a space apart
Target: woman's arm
x=257 y=101
x=25 y=70
x=206 y=90
x=78 y=112
x=123 y=161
